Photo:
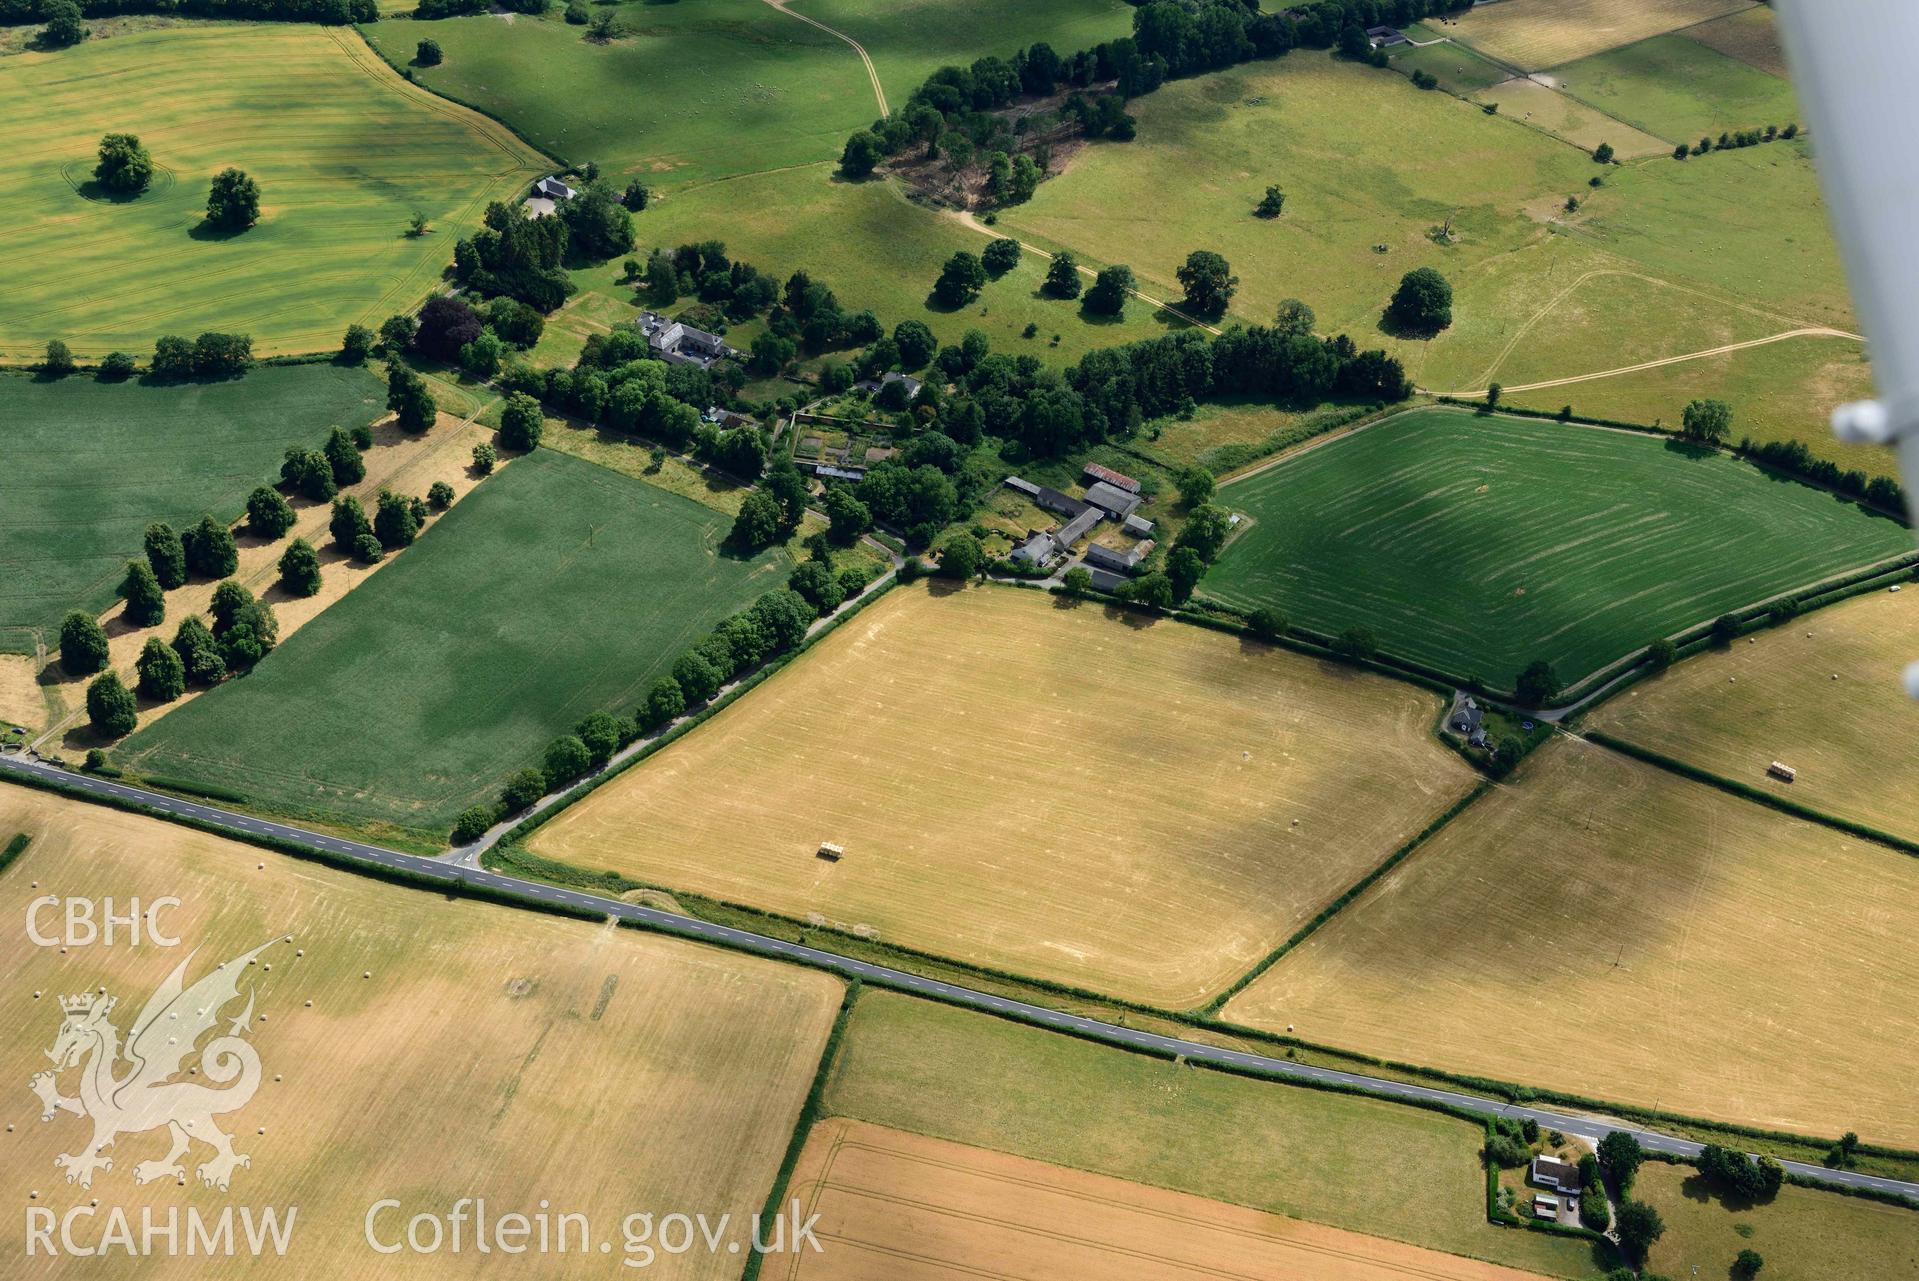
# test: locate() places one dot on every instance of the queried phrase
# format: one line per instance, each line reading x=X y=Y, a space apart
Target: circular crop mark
x=79 y=175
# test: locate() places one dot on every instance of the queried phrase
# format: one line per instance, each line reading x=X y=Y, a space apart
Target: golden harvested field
x=896 y=1206
x=491 y=1053
x=1534 y=34
x=1852 y=740
x=400 y=461
x=1618 y=932
x=1142 y=809
x=1543 y=107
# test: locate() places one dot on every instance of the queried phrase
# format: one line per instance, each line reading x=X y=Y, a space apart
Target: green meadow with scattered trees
x=556 y=589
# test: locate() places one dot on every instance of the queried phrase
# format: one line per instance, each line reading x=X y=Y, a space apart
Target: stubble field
x=1822 y=694
x=1142 y=811
x=344 y=150
x=896 y=1206
x=1705 y=955
x=1545 y=33
x=491 y=1053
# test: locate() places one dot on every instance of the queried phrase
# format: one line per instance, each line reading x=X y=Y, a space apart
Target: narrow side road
x=1586 y=1127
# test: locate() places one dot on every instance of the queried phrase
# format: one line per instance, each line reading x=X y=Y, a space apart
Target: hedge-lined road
x=706 y=931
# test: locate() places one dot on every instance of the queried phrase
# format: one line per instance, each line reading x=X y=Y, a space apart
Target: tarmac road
x=1587 y=1127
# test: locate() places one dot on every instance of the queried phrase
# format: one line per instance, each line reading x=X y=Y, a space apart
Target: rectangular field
x=556 y=589
x=1144 y=811
x=345 y=152
x=1749 y=35
x=1478 y=544
x=1310 y=1155
x=902 y=1207
x=1535 y=34
x=1736 y=964
x=409 y=1047
x=1563 y=116
x=89 y=465
x=1822 y=694
x=730 y=86
x=1679 y=89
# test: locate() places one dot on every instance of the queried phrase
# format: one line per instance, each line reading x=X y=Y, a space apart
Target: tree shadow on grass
x=208 y=231
x=1137 y=619
x=94 y=189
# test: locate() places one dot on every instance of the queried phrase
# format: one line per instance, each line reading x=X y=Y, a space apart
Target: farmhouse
x=1036 y=550
x=1111 y=499
x=872 y=385
x=682 y=344
x=553 y=189
x=1466 y=720
x=1384 y=37
x=1106 y=475
x=1551 y=1172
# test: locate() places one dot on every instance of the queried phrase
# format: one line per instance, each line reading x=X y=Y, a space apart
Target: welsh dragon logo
x=131 y=1088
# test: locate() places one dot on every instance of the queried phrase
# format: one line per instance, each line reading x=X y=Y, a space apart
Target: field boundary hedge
x=1345 y=900
x=15 y=848
x=1746 y=791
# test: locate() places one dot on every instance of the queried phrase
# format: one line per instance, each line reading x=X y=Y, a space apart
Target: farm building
x=1112 y=500
x=1023 y=485
x=726 y=419
x=1106 y=475
x=1466 y=721
x=1551 y=1172
x=1076 y=528
x=1105 y=580
x=682 y=344
x=1106 y=558
x=553 y=189
x=1062 y=504
x=1384 y=37
x=839 y=473
x=1137 y=526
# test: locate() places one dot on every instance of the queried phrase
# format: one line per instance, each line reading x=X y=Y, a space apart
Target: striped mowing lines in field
x=1477 y=544
x=345 y=151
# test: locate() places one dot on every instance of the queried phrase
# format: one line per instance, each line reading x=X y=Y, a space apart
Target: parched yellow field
x=1145 y=810
x=1533 y=34
x=490 y=1052
x=1544 y=107
x=896 y=1206
x=1618 y=932
x=1852 y=740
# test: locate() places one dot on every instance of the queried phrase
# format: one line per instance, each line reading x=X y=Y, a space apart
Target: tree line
x=953 y=109
x=335 y=12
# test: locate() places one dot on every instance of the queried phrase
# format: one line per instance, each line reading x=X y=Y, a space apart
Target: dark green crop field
x=85 y=467
x=1476 y=545
x=555 y=589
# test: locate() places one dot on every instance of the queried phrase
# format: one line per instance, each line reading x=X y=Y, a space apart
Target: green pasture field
x=970 y=1078
x=1334 y=137
x=1679 y=89
x=1803 y=1234
x=1458 y=69
x=557 y=588
x=908 y=40
x=687 y=92
x=1476 y=545
x=86 y=466
x=875 y=249
x=345 y=152
x=1782 y=391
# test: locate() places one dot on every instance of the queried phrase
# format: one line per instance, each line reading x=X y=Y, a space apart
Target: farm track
x=1816 y=331
x=872 y=73
x=440 y=870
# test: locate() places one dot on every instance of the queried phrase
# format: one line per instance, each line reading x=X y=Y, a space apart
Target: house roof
x=1117 y=479
x=1104 y=579
x=1035 y=549
x=1562 y=1174
x=839 y=473
x=551 y=186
